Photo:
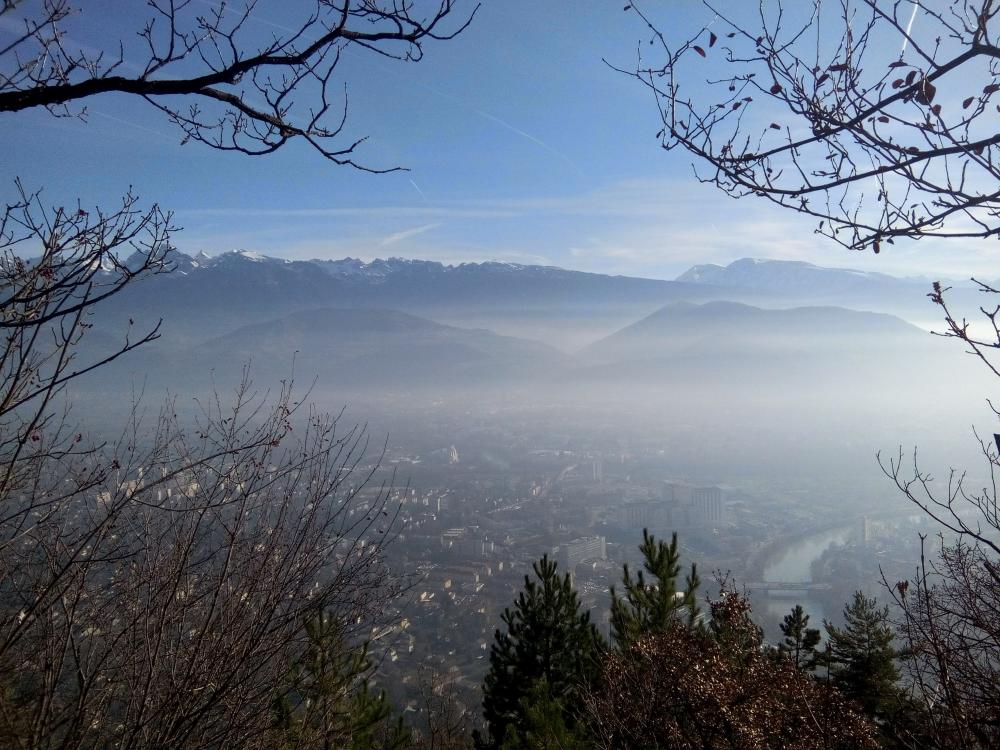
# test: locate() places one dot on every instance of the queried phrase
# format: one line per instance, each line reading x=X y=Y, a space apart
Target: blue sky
x=522 y=145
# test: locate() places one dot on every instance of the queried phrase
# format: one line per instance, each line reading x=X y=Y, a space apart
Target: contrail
x=909 y=26
x=529 y=136
x=158 y=133
x=417 y=188
x=392 y=239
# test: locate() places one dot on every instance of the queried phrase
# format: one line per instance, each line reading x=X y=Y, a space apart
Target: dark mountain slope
x=207 y=297
x=723 y=328
x=354 y=349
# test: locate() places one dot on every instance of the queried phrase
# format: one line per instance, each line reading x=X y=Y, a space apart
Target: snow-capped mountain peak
x=776 y=275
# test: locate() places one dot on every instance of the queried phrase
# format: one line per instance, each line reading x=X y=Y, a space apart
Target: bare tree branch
x=833 y=110
x=215 y=74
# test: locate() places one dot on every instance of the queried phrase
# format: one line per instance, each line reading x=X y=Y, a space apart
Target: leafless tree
x=950 y=610
x=690 y=687
x=874 y=117
x=949 y=621
x=229 y=75
x=445 y=722
x=46 y=304
x=155 y=589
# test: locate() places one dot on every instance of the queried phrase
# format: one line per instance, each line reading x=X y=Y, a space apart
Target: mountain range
x=789 y=275
x=421 y=327
x=210 y=296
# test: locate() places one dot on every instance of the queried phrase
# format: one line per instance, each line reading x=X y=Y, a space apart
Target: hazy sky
x=522 y=145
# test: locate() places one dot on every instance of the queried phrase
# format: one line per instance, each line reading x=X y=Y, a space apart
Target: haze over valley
x=735 y=370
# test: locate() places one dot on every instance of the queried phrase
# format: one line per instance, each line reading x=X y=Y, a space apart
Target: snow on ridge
x=205 y=260
x=376 y=269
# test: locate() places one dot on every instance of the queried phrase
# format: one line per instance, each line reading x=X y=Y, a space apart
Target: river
x=793 y=565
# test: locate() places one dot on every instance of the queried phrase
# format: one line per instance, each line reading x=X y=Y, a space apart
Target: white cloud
x=406 y=234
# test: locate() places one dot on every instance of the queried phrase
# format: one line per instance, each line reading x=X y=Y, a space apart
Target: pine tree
x=544 y=725
x=654 y=604
x=862 y=657
x=546 y=637
x=800 y=640
x=328 y=703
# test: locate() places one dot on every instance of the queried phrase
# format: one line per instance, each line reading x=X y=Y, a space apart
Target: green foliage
x=800 y=641
x=328 y=703
x=543 y=725
x=546 y=638
x=862 y=657
x=652 y=602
